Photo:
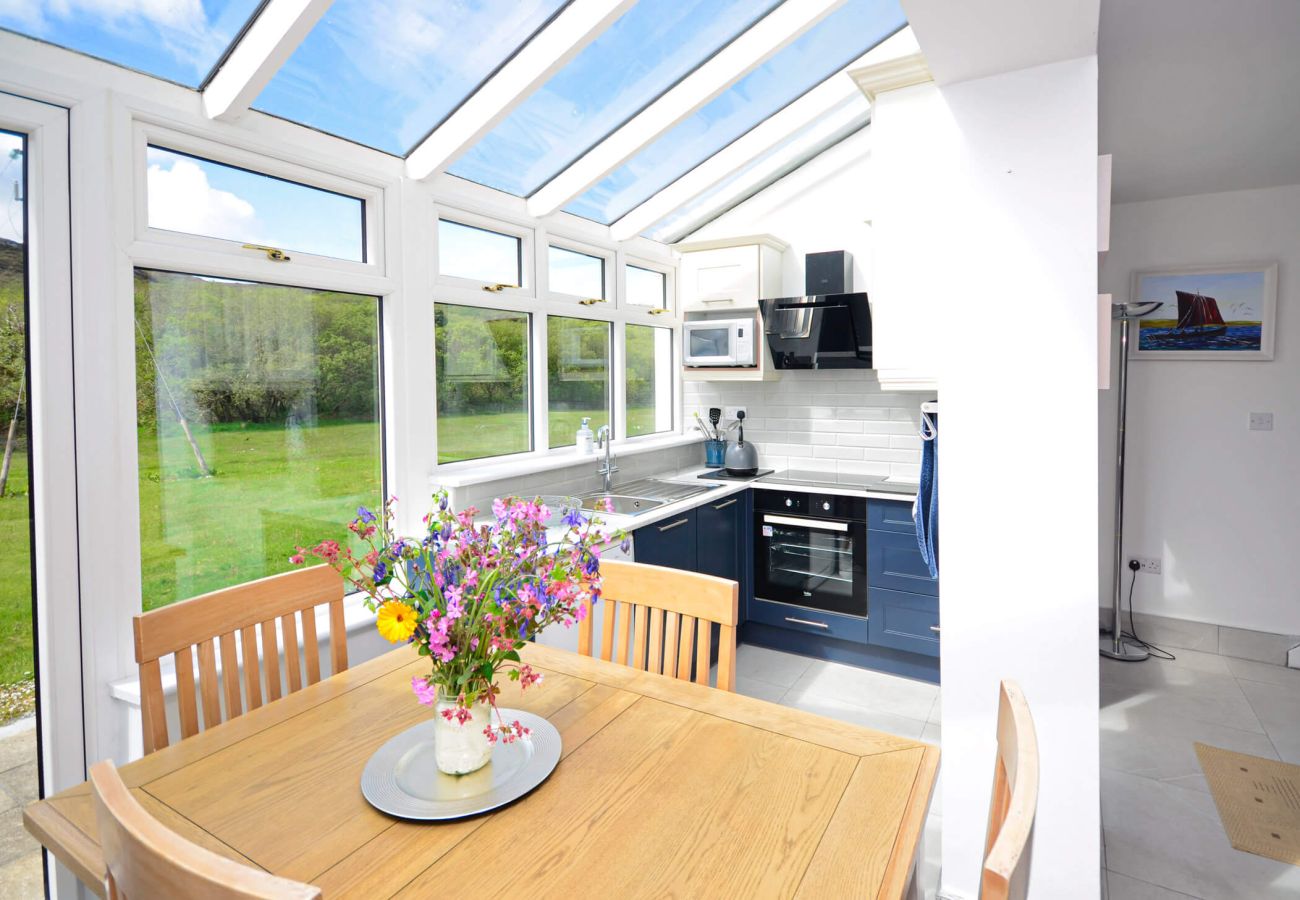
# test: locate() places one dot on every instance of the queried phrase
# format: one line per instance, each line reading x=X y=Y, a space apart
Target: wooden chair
x=146 y=859
x=665 y=615
x=1015 y=800
x=233 y=616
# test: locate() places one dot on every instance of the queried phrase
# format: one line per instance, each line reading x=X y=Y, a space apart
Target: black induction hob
x=803 y=478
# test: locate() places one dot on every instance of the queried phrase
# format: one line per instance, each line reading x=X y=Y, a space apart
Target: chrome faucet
x=606 y=467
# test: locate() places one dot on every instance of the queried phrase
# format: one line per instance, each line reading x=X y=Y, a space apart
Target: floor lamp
x=1115 y=645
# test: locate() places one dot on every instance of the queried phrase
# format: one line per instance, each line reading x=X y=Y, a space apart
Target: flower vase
x=461 y=747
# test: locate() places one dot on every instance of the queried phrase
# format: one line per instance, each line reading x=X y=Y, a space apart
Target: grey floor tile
x=772 y=666
x=22 y=878
x=1172 y=837
x=15 y=842
x=871 y=690
x=1250 y=670
x=1278 y=708
x=21 y=783
x=1257 y=645
x=834 y=708
x=17 y=749
x=1144 y=739
x=1199 y=696
x=760 y=690
x=1122 y=887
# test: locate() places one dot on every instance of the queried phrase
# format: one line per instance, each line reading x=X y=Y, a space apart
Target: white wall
x=1013 y=233
x=1218 y=504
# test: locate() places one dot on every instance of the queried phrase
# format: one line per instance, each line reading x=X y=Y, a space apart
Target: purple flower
x=365 y=515
x=381 y=572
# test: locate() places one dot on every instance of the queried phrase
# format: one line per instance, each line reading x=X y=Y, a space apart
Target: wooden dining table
x=664 y=788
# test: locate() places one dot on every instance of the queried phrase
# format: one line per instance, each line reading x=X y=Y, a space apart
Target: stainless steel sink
x=667 y=491
x=621 y=504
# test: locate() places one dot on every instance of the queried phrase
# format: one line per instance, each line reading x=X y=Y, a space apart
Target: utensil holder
x=714 y=453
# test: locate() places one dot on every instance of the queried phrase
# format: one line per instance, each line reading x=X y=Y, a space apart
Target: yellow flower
x=396 y=621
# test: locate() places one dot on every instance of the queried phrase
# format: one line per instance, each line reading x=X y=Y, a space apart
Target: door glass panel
x=646 y=287
x=199 y=196
x=258 y=418
x=823 y=50
x=651 y=47
x=479 y=254
x=579 y=274
x=18 y=767
x=385 y=74
x=811 y=568
x=649 y=379
x=179 y=41
x=578 y=377
x=482 y=382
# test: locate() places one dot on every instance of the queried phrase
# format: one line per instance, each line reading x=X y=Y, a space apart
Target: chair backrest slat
x=186 y=701
x=310 y=646
x=271 y=659
x=665 y=618
x=1014 y=802
x=233 y=618
x=144 y=858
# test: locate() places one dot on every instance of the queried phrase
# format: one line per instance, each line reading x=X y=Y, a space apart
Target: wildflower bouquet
x=470 y=595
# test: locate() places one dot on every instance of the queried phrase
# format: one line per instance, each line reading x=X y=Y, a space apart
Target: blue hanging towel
x=925 y=511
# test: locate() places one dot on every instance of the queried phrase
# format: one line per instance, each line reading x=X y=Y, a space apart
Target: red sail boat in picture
x=1198 y=317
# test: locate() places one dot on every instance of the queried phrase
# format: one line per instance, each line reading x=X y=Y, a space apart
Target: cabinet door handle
x=806 y=523
x=673 y=525
x=934 y=628
x=806 y=622
x=719 y=300
x=733 y=501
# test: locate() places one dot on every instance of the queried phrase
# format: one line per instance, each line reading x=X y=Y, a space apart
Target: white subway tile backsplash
x=826 y=421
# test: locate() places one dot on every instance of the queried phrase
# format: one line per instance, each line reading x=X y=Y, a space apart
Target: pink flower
x=426 y=693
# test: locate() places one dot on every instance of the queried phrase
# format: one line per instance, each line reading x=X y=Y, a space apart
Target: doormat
x=1258 y=801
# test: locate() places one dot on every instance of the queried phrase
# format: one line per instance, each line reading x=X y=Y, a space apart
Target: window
x=465 y=251
x=646 y=287
x=577 y=376
x=258 y=426
x=649 y=379
x=579 y=274
x=481 y=358
x=199 y=196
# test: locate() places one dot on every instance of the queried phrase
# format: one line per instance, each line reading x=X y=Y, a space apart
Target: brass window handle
x=498 y=287
x=657 y=312
x=275 y=254
x=592 y=301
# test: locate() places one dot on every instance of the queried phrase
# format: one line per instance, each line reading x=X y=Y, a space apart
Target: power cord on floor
x=1131 y=634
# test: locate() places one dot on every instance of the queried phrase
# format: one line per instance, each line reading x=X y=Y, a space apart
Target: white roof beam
x=751 y=49
x=580 y=23
x=269 y=40
x=800 y=114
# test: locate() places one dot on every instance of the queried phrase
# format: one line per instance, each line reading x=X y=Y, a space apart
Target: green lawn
x=15 y=578
x=272 y=489
x=478 y=436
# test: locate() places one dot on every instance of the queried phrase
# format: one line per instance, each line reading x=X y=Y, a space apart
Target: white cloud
x=181 y=199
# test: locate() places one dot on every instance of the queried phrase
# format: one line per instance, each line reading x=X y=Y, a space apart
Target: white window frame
x=608 y=286
x=146 y=132
x=669 y=309
x=527 y=253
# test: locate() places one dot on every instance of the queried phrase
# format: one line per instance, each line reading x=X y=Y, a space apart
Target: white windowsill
x=467 y=473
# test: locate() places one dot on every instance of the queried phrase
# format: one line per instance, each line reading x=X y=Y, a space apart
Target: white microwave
x=720 y=342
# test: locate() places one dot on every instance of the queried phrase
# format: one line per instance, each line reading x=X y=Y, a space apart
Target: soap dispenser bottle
x=586 y=440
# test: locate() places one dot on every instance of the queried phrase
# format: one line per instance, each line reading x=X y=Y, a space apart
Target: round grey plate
x=402 y=778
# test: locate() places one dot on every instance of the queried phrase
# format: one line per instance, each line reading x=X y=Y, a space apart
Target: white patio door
x=40 y=644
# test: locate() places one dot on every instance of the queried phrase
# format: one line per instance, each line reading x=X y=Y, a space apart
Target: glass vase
x=714 y=454
x=461 y=748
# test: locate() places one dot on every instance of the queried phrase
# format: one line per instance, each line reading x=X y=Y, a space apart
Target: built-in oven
x=811 y=551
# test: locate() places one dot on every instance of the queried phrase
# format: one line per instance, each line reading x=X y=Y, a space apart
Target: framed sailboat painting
x=1207 y=312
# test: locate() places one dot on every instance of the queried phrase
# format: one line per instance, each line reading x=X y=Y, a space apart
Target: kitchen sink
x=621 y=504
x=667 y=491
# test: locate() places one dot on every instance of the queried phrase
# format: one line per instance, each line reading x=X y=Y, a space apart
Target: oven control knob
x=826 y=505
x=789 y=502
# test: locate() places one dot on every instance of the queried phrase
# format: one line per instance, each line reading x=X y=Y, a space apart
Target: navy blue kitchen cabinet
x=904 y=612
x=720 y=532
x=670 y=542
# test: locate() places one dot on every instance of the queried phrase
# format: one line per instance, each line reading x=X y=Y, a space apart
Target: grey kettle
x=741 y=458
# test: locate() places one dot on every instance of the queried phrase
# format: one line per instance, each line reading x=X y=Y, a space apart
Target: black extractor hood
x=821 y=330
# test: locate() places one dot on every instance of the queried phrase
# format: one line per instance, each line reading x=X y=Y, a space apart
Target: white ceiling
x=1198 y=96
x=964 y=39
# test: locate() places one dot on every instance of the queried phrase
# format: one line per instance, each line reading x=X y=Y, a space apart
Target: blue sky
x=1240 y=295
x=201 y=197
x=180 y=40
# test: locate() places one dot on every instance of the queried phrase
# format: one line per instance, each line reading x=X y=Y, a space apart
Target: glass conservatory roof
x=396 y=74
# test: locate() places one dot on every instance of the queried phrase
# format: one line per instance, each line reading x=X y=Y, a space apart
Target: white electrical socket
x=732 y=413
x=1261 y=421
x=1148 y=564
